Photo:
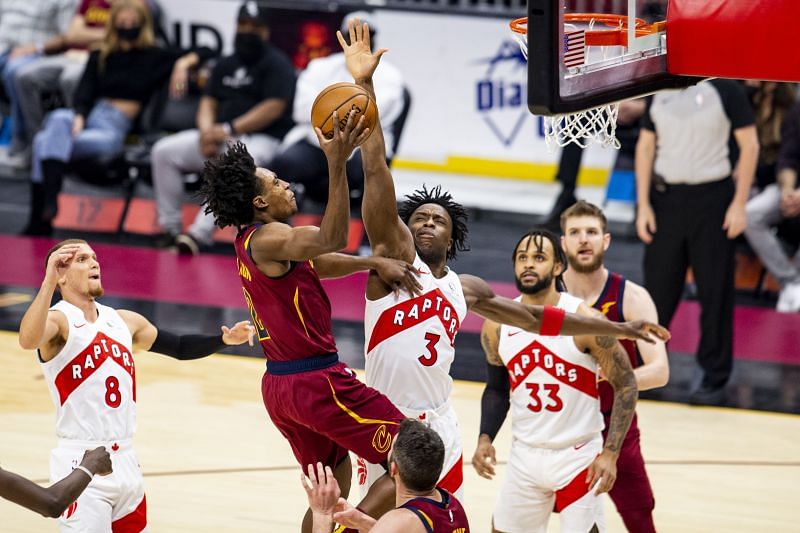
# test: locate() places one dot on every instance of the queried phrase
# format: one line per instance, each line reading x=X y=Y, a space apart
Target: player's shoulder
x=396 y=519
x=637 y=302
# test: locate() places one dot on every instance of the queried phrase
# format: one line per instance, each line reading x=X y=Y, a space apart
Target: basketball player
x=585 y=240
x=415 y=463
x=54 y=500
x=557 y=460
x=86 y=352
x=410 y=339
x=316 y=401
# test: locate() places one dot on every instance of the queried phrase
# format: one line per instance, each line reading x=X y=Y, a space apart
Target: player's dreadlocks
x=458 y=215
x=537 y=237
x=229 y=186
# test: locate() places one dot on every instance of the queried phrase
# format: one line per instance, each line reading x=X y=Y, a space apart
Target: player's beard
x=586 y=268
x=537 y=287
x=96 y=292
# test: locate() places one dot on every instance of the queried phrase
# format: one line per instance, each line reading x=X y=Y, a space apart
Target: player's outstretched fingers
x=592 y=475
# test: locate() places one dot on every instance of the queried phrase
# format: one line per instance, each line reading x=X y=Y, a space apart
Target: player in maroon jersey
x=585 y=241
x=315 y=401
x=415 y=462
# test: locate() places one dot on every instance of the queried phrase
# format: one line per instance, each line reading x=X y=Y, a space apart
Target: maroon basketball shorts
x=632 y=489
x=324 y=413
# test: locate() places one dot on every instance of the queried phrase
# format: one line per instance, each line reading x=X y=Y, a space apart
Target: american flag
x=574 y=48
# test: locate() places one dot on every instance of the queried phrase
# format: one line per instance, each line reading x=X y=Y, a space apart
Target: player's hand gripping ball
x=342 y=97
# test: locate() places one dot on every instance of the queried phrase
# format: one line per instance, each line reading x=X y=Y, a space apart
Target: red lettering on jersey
x=101 y=349
x=535 y=355
x=415 y=311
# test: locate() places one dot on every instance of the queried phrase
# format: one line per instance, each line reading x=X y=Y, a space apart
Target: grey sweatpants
x=763 y=214
x=180 y=154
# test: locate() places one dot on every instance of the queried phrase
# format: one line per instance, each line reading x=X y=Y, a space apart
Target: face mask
x=129 y=34
x=249 y=47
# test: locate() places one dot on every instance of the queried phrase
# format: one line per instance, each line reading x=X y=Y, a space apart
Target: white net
x=596 y=125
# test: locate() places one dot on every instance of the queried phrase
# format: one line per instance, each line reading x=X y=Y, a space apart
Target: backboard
x=579 y=59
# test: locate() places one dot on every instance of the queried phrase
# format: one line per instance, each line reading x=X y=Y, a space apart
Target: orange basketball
x=342 y=98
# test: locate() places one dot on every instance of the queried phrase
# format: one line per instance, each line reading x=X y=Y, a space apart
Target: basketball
x=342 y=98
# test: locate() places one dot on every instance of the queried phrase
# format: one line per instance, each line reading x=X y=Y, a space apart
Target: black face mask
x=129 y=34
x=249 y=47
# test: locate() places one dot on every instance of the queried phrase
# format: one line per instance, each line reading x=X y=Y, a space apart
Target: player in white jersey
x=557 y=460
x=410 y=338
x=86 y=352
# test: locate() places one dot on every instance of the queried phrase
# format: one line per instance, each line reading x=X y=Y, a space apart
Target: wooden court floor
x=213 y=462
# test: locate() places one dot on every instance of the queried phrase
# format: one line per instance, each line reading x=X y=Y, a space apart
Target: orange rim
x=616 y=36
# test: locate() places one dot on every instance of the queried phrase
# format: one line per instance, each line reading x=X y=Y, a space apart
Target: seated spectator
x=119 y=79
x=248 y=97
x=771 y=101
x=25 y=27
x=777 y=203
x=59 y=69
x=300 y=159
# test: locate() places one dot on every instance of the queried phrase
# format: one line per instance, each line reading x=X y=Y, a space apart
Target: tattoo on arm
x=490 y=346
x=617 y=367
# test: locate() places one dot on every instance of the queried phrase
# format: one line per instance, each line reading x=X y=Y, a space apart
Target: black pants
x=305 y=163
x=689 y=233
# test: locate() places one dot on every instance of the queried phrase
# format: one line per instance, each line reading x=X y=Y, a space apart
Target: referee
x=691 y=205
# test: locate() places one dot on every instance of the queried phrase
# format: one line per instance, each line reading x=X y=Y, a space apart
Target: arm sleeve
x=85 y=93
x=789 y=155
x=647 y=121
x=495 y=400
x=186 y=347
x=737 y=107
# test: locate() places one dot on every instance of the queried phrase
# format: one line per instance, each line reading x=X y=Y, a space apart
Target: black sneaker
x=164 y=240
x=705 y=395
x=187 y=245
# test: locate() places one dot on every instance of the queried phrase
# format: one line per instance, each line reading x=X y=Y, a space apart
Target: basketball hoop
x=599 y=124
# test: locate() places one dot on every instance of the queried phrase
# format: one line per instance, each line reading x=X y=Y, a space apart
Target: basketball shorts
x=632 y=490
x=542 y=480
x=324 y=413
x=444 y=421
x=115 y=502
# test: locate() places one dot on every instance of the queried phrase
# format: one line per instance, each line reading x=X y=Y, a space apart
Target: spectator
x=300 y=159
x=60 y=67
x=771 y=102
x=248 y=97
x=777 y=203
x=25 y=27
x=119 y=79
x=689 y=213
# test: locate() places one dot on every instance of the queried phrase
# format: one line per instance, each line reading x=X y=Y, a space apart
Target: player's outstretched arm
x=184 y=347
x=639 y=305
x=494 y=402
x=400 y=275
x=547 y=320
x=616 y=366
x=39 y=326
x=398 y=521
x=280 y=242
x=54 y=500
x=323 y=494
x=387 y=234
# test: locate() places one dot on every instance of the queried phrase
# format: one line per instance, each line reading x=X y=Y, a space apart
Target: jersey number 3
x=553 y=402
x=433 y=355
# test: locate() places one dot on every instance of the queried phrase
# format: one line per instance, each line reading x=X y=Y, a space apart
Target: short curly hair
x=458 y=215
x=229 y=184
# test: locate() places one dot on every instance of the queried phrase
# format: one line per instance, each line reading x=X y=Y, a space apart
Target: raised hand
x=344 y=139
x=360 y=60
x=239 y=333
x=322 y=489
x=60 y=260
x=641 y=330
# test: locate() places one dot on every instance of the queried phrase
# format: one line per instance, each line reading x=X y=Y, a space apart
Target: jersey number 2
x=554 y=403
x=433 y=355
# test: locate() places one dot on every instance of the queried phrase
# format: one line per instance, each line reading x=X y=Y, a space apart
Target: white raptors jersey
x=554 y=399
x=409 y=341
x=92 y=379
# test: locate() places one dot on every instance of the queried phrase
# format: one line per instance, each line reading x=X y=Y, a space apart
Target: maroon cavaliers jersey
x=610 y=304
x=291 y=313
x=446 y=516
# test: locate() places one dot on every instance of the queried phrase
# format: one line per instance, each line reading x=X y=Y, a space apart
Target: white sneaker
x=789 y=298
x=16 y=160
